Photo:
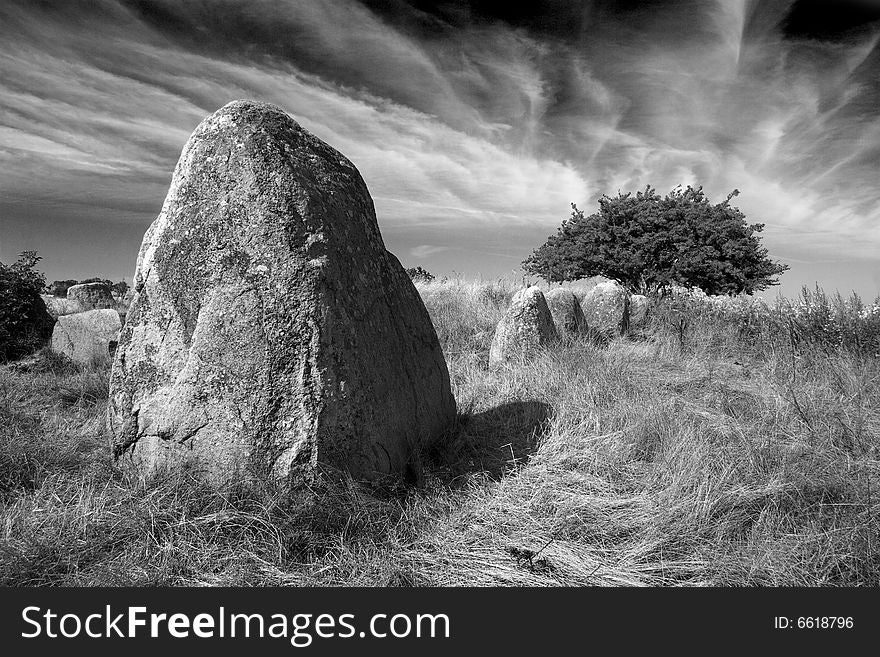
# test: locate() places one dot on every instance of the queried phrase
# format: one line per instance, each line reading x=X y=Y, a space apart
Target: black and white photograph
x=454 y=295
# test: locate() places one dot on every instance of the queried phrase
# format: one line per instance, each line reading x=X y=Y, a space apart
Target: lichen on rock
x=526 y=328
x=271 y=331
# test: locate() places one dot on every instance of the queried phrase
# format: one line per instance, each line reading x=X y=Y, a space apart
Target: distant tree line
x=59 y=288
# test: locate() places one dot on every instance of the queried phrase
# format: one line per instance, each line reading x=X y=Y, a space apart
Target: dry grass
x=696 y=454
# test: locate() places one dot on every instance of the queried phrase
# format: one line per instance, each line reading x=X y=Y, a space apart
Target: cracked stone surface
x=270 y=330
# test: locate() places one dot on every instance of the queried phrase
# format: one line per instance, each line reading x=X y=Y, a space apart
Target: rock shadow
x=496 y=442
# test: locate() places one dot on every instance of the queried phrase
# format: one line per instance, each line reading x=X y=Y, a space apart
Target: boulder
x=87 y=338
x=58 y=306
x=271 y=333
x=566 y=311
x=526 y=328
x=638 y=311
x=91 y=296
x=605 y=308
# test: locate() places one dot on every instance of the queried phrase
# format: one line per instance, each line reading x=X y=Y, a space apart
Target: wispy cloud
x=473 y=131
x=425 y=250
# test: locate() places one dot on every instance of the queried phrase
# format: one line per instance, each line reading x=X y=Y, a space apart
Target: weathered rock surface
x=91 y=296
x=58 y=306
x=605 y=308
x=638 y=311
x=566 y=311
x=271 y=332
x=88 y=337
x=526 y=328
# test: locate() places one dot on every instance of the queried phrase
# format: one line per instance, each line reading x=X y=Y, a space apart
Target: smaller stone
x=604 y=308
x=568 y=316
x=526 y=328
x=91 y=296
x=89 y=337
x=638 y=310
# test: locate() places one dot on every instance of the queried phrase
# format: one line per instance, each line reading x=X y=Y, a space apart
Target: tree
x=648 y=243
x=59 y=288
x=120 y=288
x=25 y=324
x=419 y=274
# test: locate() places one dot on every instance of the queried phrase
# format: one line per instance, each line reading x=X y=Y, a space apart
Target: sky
x=475 y=124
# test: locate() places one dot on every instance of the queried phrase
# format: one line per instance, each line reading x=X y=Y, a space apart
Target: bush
x=25 y=324
x=419 y=274
x=59 y=288
x=649 y=244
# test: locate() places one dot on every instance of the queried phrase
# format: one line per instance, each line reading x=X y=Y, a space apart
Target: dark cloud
x=830 y=20
x=557 y=19
x=475 y=124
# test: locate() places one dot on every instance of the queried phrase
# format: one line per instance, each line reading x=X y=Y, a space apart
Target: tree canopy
x=25 y=325
x=648 y=243
x=419 y=274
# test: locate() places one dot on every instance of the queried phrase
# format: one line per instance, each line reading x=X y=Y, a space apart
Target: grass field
x=730 y=443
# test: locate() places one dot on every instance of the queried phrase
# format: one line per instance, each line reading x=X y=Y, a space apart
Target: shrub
x=59 y=288
x=419 y=274
x=649 y=243
x=25 y=324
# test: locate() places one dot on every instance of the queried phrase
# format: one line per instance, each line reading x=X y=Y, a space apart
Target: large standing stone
x=605 y=308
x=89 y=337
x=91 y=296
x=566 y=311
x=526 y=328
x=271 y=331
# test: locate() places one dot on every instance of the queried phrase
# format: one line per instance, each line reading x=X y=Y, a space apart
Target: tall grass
x=729 y=442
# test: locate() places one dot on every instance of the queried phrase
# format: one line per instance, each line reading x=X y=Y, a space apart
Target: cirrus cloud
x=474 y=128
